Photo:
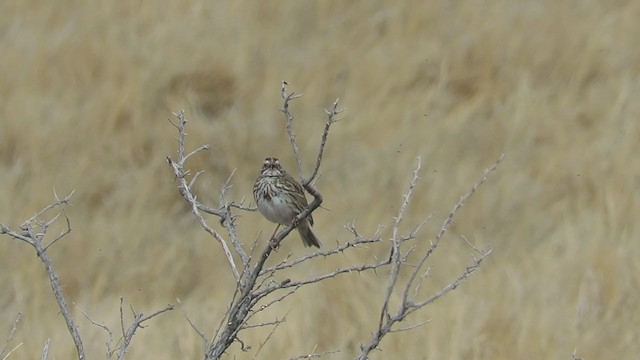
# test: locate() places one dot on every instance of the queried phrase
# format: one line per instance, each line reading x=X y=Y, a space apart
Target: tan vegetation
x=87 y=88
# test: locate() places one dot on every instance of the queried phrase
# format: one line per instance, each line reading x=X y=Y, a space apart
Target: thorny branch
x=33 y=232
x=357 y=242
x=396 y=241
x=127 y=335
x=410 y=304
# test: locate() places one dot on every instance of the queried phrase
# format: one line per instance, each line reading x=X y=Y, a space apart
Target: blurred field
x=87 y=88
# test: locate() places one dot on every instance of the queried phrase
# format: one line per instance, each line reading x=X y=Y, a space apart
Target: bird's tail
x=308 y=237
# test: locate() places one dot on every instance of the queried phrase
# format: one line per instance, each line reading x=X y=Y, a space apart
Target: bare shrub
x=258 y=286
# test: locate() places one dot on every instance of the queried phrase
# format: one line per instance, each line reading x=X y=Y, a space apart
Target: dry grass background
x=87 y=87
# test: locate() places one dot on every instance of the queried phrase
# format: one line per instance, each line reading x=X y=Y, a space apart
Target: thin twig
x=453 y=285
x=64 y=232
x=289 y=120
x=45 y=349
x=471 y=245
x=12 y=332
x=273 y=330
x=104 y=327
x=331 y=113
x=11 y=351
x=268 y=305
x=138 y=319
x=323 y=253
x=316 y=355
x=410 y=327
x=318 y=278
x=195 y=328
x=56 y=203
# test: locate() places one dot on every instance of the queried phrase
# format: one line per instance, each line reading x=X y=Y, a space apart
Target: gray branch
x=33 y=232
x=411 y=303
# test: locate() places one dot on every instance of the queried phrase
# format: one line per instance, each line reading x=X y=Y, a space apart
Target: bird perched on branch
x=280 y=198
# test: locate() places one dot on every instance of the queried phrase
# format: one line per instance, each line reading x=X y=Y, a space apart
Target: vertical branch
x=331 y=114
x=289 y=120
x=62 y=304
x=228 y=222
x=395 y=249
x=10 y=337
x=45 y=349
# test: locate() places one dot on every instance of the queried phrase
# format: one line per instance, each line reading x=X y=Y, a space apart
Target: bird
x=280 y=198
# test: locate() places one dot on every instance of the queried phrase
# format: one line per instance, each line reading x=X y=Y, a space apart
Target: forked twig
x=185 y=189
x=136 y=323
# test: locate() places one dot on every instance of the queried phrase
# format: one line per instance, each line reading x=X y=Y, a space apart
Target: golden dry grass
x=87 y=87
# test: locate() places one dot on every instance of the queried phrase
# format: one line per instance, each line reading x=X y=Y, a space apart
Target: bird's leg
x=273 y=244
x=275 y=231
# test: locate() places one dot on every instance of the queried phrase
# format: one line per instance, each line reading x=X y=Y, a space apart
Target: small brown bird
x=280 y=198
